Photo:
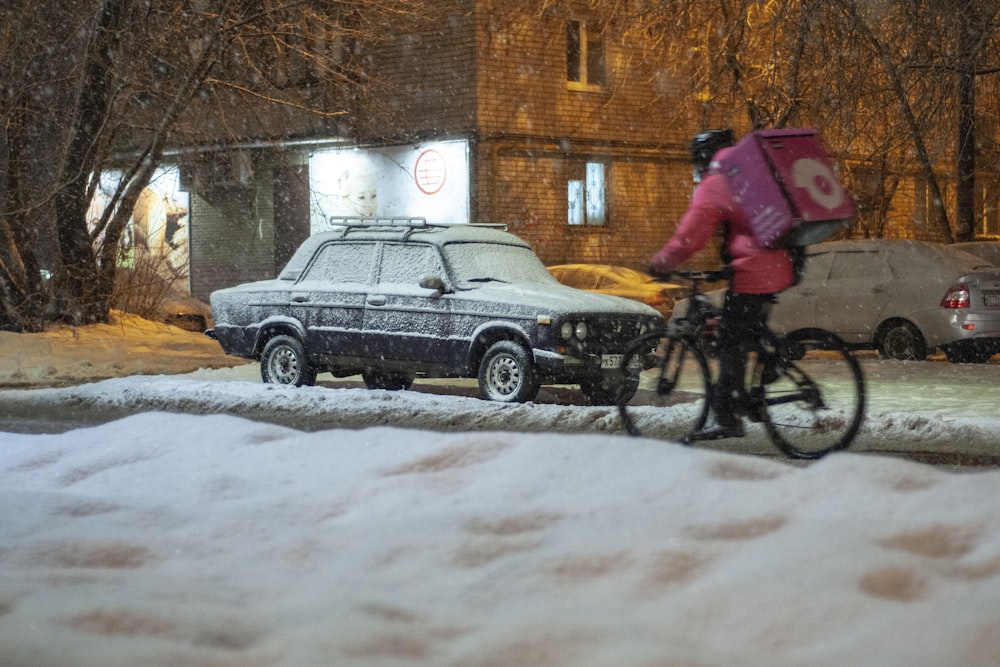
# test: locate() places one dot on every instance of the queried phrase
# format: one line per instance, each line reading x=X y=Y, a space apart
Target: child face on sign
x=359 y=190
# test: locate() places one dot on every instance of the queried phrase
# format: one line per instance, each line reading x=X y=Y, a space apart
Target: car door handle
x=300 y=298
x=376 y=301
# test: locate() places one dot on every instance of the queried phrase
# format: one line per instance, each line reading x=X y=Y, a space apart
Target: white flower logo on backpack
x=819 y=181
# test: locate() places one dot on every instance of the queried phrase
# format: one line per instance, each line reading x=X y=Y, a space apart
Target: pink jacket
x=756 y=270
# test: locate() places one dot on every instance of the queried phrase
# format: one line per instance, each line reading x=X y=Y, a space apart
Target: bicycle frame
x=792 y=402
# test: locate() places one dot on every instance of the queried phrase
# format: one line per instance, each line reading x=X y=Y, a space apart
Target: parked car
x=184 y=311
x=903 y=298
x=393 y=300
x=618 y=281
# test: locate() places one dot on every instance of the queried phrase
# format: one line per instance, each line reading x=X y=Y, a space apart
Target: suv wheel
x=284 y=361
x=388 y=381
x=506 y=374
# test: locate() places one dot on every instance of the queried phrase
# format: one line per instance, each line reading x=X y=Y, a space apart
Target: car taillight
x=956 y=297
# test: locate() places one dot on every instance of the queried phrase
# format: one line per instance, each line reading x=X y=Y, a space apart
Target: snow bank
x=163 y=539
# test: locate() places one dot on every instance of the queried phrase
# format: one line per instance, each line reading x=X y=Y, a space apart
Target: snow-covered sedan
x=397 y=299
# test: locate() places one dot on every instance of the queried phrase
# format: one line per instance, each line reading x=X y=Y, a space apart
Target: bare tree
x=111 y=83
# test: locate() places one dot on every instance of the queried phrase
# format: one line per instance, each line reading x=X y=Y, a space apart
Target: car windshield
x=476 y=263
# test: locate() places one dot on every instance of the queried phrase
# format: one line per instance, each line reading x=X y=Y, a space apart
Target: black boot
x=724 y=425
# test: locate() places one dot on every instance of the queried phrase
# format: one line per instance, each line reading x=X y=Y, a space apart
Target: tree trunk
x=81 y=300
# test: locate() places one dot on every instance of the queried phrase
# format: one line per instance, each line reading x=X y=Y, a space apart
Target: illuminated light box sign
x=157 y=232
x=424 y=180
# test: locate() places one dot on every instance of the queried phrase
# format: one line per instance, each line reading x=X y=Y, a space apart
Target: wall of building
x=232 y=237
x=533 y=126
x=424 y=83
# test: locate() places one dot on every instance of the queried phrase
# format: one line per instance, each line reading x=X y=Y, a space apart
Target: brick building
x=540 y=120
x=573 y=140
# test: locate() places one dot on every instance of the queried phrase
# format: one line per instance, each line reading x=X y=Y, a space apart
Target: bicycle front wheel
x=811 y=394
x=665 y=388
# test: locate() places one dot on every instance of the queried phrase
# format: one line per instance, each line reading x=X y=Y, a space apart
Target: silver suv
x=392 y=300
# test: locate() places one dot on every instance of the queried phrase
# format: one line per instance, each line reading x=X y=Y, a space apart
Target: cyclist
x=757 y=274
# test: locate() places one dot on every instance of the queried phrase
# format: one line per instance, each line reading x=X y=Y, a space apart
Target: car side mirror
x=433 y=282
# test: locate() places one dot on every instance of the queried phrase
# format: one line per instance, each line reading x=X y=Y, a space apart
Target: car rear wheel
x=388 y=381
x=284 y=361
x=506 y=374
x=903 y=342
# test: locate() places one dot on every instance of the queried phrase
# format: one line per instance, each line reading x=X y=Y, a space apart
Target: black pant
x=744 y=318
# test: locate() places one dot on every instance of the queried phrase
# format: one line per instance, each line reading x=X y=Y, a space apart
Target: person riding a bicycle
x=758 y=274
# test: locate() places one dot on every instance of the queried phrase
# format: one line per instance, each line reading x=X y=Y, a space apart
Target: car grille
x=611 y=335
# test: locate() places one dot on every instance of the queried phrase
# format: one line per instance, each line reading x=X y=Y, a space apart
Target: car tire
x=507 y=374
x=284 y=361
x=387 y=381
x=902 y=341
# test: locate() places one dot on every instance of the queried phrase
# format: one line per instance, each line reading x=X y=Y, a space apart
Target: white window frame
x=587 y=200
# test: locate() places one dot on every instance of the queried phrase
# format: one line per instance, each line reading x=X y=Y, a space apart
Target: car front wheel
x=284 y=361
x=506 y=374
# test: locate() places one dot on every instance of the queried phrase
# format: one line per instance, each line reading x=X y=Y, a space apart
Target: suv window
x=342 y=263
x=405 y=264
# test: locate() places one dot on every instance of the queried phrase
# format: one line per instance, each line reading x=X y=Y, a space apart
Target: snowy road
x=933 y=411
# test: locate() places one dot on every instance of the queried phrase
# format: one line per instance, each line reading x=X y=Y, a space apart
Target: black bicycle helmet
x=706 y=144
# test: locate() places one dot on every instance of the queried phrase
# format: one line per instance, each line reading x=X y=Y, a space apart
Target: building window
x=584 y=56
x=586 y=196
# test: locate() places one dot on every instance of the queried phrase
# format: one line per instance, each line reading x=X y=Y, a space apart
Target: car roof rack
x=411 y=224
x=357 y=221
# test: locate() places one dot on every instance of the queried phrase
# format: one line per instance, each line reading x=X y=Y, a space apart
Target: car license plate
x=611 y=360
x=992 y=298
x=615 y=361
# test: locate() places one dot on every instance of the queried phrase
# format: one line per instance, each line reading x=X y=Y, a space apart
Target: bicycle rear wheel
x=812 y=394
x=665 y=388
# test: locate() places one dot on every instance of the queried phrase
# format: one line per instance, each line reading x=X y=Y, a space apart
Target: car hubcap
x=505 y=375
x=285 y=366
x=899 y=345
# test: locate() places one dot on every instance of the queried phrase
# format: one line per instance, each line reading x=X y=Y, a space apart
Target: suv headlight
x=566 y=330
x=581 y=331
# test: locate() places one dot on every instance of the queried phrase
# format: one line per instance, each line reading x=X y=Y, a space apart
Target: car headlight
x=581 y=331
x=566 y=330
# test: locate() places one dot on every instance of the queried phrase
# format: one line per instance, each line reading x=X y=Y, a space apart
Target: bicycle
x=806 y=388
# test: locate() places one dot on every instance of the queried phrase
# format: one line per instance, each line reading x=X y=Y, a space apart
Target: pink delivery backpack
x=786 y=184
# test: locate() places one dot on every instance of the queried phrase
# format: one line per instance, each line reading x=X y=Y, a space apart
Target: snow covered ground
x=485 y=535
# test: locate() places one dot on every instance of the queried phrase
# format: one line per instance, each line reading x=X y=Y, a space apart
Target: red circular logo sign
x=429 y=171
